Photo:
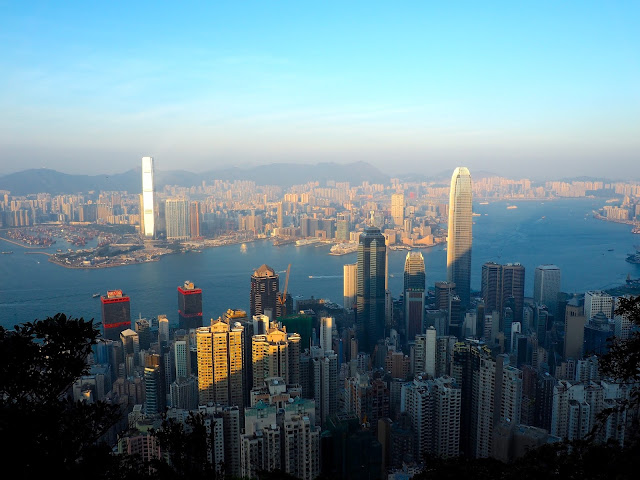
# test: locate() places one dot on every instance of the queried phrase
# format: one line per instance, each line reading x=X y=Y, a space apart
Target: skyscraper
x=350 y=286
x=189 y=306
x=502 y=286
x=414 y=288
x=194 y=219
x=370 y=297
x=177 y=218
x=220 y=355
x=397 y=209
x=263 y=298
x=116 y=314
x=459 y=237
x=147 y=215
x=546 y=286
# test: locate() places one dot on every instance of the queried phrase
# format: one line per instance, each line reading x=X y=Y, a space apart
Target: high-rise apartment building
x=370 y=294
x=397 y=209
x=189 y=306
x=272 y=355
x=148 y=212
x=546 y=287
x=220 y=356
x=177 y=218
x=350 y=285
x=263 y=298
x=414 y=294
x=116 y=314
x=459 y=235
x=194 y=219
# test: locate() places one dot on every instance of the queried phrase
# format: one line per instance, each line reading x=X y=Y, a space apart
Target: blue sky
x=538 y=89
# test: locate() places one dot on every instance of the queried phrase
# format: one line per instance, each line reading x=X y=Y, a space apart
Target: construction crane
x=282 y=297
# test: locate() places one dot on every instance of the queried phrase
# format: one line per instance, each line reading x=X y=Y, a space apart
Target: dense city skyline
x=520 y=90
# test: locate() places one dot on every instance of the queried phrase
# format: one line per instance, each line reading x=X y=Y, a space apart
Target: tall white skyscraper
x=546 y=286
x=148 y=200
x=350 y=285
x=460 y=235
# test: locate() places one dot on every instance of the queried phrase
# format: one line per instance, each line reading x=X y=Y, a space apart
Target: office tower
x=155 y=397
x=182 y=354
x=220 y=362
x=302 y=325
x=148 y=212
x=342 y=228
x=460 y=236
x=163 y=329
x=326 y=332
x=350 y=287
x=597 y=301
x=143 y=329
x=189 y=306
x=414 y=294
x=263 y=298
x=546 y=286
x=370 y=297
x=397 y=209
x=194 y=219
x=500 y=283
x=116 y=314
x=130 y=350
x=443 y=290
x=574 y=322
x=177 y=218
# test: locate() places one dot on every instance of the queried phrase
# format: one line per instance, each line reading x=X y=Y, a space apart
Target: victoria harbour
x=591 y=254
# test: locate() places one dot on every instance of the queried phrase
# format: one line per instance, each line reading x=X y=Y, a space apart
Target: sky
x=541 y=89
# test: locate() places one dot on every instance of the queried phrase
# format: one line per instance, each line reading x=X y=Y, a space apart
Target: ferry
x=484 y=203
x=95 y=295
x=511 y=207
x=8 y=252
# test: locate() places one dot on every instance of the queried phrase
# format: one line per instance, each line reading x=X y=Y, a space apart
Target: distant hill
x=45 y=180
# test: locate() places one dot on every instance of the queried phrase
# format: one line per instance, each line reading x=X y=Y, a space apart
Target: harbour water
x=591 y=254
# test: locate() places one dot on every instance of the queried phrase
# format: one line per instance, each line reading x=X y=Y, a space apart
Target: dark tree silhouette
x=43 y=430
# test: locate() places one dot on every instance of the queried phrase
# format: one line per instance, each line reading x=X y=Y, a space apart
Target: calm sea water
x=562 y=232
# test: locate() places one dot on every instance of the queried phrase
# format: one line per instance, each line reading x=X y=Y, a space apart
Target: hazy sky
x=521 y=88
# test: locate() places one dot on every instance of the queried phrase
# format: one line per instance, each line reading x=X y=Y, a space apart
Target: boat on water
x=95 y=295
x=511 y=207
x=484 y=203
x=9 y=252
x=636 y=230
x=634 y=258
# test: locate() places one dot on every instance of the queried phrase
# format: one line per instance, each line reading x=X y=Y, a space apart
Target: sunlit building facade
x=148 y=199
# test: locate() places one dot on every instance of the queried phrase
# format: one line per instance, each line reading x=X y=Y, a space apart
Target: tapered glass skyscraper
x=148 y=201
x=372 y=253
x=414 y=288
x=459 y=237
